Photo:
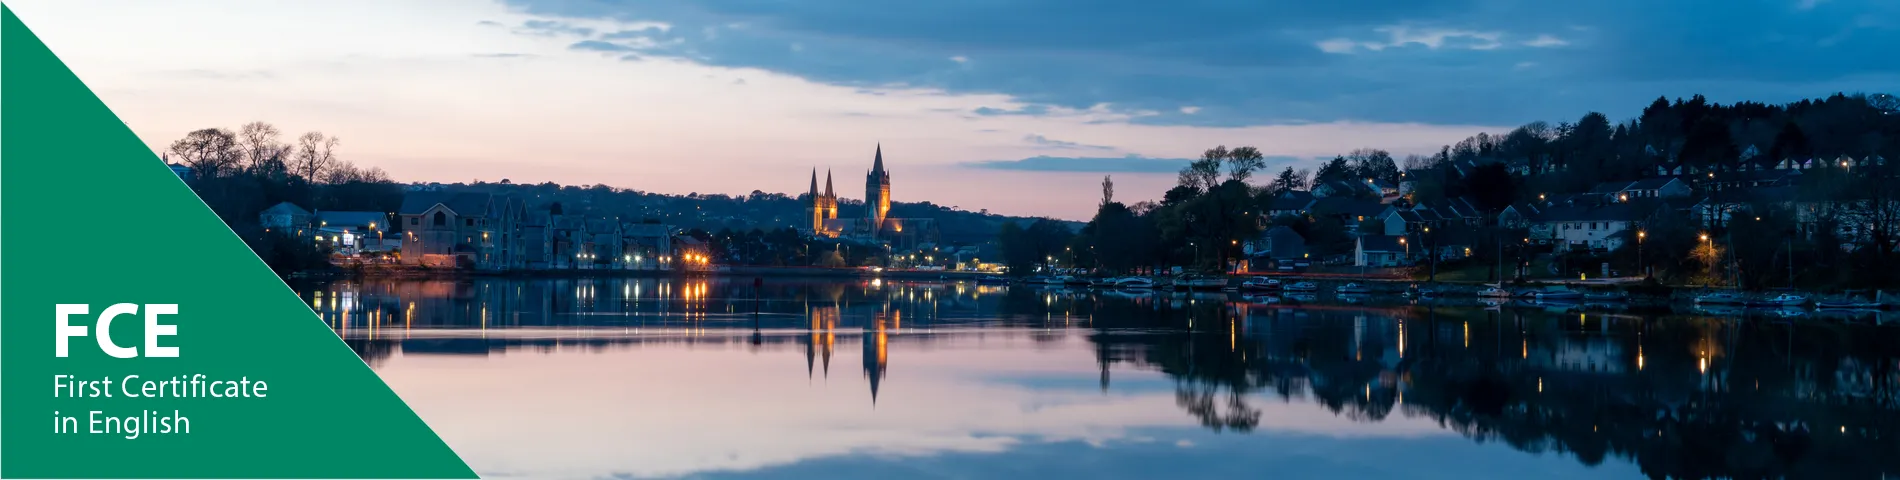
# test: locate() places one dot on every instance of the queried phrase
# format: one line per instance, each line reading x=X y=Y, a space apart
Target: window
x=441 y=219
x=468 y=221
x=415 y=221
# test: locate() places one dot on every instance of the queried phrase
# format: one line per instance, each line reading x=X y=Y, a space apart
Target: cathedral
x=876 y=222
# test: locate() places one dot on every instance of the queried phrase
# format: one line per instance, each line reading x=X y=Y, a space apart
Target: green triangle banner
x=104 y=254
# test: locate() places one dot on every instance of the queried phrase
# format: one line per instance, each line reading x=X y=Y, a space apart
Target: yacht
x=1495 y=292
x=1134 y=283
x=1302 y=287
x=1722 y=298
x=1260 y=284
x=1782 y=300
x=1352 y=289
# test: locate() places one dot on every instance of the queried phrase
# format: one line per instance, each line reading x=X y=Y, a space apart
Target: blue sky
x=1013 y=106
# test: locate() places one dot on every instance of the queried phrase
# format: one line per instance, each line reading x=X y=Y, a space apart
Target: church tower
x=824 y=206
x=877 y=192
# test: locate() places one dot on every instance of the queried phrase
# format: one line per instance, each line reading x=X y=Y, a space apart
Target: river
x=728 y=378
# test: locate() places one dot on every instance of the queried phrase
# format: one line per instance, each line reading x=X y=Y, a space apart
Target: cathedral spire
x=814 y=182
x=877 y=165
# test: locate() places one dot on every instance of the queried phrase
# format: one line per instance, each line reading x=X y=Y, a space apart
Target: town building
x=875 y=224
x=460 y=230
x=286 y=217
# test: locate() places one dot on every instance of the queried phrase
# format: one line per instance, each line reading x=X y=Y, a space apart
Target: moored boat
x=1302 y=287
x=1196 y=282
x=1720 y=298
x=1494 y=292
x=1782 y=300
x=1847 y=305
x=1352 y=289
x=1134 y=283
x=1260 y=284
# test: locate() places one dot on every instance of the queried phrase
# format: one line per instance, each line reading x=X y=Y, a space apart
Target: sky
x=1013 y=106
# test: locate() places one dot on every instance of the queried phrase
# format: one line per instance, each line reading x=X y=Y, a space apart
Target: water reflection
x=990 y=372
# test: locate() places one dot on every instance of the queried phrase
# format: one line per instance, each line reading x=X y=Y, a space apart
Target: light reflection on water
x=585 y=378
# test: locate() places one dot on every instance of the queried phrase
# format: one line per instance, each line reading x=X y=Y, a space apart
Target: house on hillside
x=1277 y=243
x=1350 y=212
x=1589 y=227
x=1291 y=202
x=1519 y=216
x=1379 y=251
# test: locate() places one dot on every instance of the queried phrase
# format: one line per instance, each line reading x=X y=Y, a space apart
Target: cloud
x=549 y=28
x=1128 y=164
x=1256 y=63
x=1047 y=142
x=504 y=55
x=1546 y=40
x=599 y=46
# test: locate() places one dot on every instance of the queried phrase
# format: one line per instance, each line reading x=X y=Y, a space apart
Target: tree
x=1026 y=247
x=1372 y=163
x=1492 y=187
x=1333 y=170
x=1790 y=143
x=1243 y=161
x=1204 y=174
x=1710 y=146
x=1288 y=180
x=1108 y=190
x=315 y=155
x=210 y=152
x=263 y=152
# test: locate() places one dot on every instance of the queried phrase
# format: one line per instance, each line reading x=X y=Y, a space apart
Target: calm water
x=595 y=378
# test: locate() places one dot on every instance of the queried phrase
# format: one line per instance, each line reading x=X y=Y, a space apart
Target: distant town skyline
x=1018 y=108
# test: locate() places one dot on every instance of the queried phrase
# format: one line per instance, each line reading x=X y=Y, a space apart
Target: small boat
x=1782 y=300
x=1606 y=297
x=1847 y=305
x=991 y=280
x=1352 y=289
x=1260 y=284
x=1721 y=299
x=1200 y=283
x=1302 y=287
x=1559 y=294
x=1134 y=283
x=1495 y=292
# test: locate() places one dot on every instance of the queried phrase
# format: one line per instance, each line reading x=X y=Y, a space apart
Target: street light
x=1640 y=266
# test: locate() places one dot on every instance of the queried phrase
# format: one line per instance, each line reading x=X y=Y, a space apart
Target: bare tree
x=1108 y=190
x=210 y=152
x=262 y=152
x=315 y=155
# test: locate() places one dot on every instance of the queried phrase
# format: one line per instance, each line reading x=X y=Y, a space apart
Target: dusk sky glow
x=1018 y=107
